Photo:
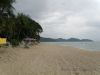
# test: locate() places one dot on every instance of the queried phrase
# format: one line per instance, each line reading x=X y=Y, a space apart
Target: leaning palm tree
x=27 y=27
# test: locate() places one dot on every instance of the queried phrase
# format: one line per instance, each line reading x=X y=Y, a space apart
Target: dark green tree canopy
x=6 y=7
x=17 y=27
x=27 y=27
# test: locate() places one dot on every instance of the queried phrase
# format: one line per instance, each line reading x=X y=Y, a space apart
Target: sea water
x=92 y=46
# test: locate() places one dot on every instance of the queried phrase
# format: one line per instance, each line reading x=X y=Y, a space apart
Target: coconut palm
x=6 y=7
x=16 y=28
x=6 y=12
x=27 y=27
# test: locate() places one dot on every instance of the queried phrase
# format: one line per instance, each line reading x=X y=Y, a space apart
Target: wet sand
x=46 y=59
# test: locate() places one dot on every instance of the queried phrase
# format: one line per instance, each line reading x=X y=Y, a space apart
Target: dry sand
x=46 y=59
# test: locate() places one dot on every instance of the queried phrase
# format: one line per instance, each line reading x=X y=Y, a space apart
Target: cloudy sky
x=64 y=18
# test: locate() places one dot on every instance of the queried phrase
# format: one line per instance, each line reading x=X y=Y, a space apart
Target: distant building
x=29 y=41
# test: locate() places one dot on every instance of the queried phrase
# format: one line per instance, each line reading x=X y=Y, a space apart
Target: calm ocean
x=92 y=46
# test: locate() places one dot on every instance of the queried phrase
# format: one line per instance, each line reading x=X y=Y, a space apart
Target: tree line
x=17 y=27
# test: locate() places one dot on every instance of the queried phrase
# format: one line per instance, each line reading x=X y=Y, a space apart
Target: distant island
x=43 y=39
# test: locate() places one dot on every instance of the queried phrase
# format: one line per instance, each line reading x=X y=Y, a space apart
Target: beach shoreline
x=47 y=59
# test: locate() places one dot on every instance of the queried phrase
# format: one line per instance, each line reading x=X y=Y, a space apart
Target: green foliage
x=16 y=28
x=27 y=27
x=6 y=8
x=20 y=27
x=14 y=42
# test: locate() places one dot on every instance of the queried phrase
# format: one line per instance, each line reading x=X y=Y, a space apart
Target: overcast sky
x=64 y=18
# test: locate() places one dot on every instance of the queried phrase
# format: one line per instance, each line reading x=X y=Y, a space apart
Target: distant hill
x=64 y=40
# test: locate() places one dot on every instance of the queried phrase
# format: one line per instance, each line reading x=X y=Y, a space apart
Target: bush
x=14 y=42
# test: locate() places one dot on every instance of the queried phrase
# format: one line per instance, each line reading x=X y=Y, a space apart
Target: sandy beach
x=46 y=59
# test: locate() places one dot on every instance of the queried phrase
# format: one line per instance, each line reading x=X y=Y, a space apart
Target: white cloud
x=64 y=18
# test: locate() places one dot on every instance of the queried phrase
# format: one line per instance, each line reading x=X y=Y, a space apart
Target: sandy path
x=49 y=60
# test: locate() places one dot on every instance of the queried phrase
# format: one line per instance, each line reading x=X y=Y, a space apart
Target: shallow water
x=92 y=46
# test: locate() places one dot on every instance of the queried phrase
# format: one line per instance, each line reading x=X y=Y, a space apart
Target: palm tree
x=27 y=27
x=6 y=12
x=6 y=7
x=16 y=28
